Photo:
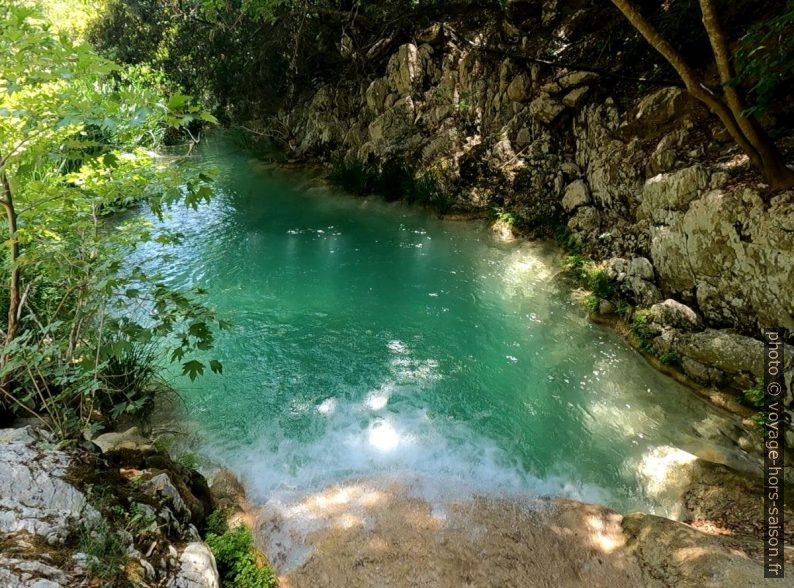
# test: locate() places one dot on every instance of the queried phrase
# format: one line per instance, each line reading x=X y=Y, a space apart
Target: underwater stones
x=576 y=194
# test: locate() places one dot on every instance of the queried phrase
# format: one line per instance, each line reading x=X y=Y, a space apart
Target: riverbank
x=122 y=511
x=380 y=531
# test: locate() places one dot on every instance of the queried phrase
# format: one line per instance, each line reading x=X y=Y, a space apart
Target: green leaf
x=192 y=369
x=216 y=366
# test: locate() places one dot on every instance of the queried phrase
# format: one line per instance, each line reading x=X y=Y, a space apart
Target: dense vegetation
x=83 y=328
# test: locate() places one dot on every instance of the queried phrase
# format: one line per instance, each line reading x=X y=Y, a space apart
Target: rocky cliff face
x=643 y=179
x=74 y=518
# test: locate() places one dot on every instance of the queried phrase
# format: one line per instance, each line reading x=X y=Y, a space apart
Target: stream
x=374 y=341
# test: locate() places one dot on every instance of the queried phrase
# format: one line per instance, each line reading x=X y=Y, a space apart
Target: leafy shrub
x=640 y=327
x=623 y=309
x=755 y=395
x=234 y=553
x=593 y=302
x=669 y=358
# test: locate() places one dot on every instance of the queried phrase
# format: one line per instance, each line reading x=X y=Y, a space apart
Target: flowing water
x=373 y=339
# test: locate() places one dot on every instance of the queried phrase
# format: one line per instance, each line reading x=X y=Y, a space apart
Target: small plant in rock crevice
x=669 y=358
x=640 y=327
x=235 y=555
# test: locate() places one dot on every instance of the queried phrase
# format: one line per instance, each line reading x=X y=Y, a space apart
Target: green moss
x=235 y=555
x=669 y=358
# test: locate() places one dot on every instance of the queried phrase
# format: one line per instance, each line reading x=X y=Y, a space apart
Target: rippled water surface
x=372 y=338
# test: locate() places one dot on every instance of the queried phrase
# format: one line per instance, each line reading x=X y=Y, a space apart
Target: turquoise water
x=373 y=338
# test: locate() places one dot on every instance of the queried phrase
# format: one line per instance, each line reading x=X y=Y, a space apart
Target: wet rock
x=227 y=490
x=729 y=500
x=197 y=568
x=576 y=194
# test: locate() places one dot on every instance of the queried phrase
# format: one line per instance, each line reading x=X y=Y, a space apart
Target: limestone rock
x=577 y=78
x=545 y=109
x=576 y=194
x=617 y=268
x=661 y=106
x=405 y=70
x=734 y=253
x=25 y=573
x=520 y=88
x=674 y=314
x=675 y=554
x=376 y=95
x=673 y=191
x=575 y=97
x=129 y=439
x=197 y=568
x=644 y=292
x=34 y=496
x=585 y=220
x=641 y=267
x=161 y=485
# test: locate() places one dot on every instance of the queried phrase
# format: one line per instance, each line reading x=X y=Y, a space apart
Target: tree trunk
x=13 y=249
x=747 y=133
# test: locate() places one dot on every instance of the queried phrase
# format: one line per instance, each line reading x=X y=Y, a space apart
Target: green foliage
x=592 y=302
x=104 y=548
x=75 y=137
x=392 y=181
x=765 y=60
x=669 y=358
x=640 y=327
x=759 y=421
x=500 y=214
x=755 y=396
x=623 y=309
x=234 y=553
